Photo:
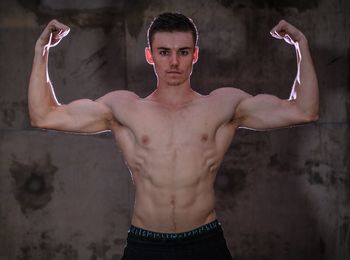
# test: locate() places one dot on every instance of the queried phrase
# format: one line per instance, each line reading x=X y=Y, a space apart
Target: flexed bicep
x=81 y=116
x=268 y=111
x=264 y=111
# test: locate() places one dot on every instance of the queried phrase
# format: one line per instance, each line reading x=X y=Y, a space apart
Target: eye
x=184 y=52
x=164 y=53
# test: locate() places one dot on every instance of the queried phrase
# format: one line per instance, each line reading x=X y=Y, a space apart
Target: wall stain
x=106 y=18
x=226 y=3
x=131 y=12
x=99 y=250
x=322 y=246
x=67 y=251
x=134 y=15
x=25 y=253
x=278 y=5
x=343 y=239
x=230 y=180
x=116 y=257
x=33 y=183
x=276 y=163
x=321 y=173
x=312 y=170
x=8 y=115
x=119 y=241
x=334 y=60
x=95 y=59
x=347 y=135
x=10 y=111
x=49 y=251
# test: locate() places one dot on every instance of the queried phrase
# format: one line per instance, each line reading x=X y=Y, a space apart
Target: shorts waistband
x=140 y=232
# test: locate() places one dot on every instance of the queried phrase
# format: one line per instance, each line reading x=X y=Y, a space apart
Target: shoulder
x=224 y=101
x=119 y=96
x=119 y=103
x=229 y=93
x=223 y=91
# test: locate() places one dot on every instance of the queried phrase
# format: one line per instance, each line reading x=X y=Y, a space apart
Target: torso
x=173 y=155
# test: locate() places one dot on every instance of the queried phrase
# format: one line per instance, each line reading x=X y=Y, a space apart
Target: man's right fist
x=53 y=33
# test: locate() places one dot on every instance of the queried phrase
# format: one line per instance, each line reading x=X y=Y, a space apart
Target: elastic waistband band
x=140 y=232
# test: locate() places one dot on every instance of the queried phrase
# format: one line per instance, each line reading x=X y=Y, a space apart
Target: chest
x=155 y=125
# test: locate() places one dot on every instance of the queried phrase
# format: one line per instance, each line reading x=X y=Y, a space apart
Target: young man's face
x=172 y=55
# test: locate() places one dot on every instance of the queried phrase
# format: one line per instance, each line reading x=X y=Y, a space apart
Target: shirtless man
x=174 y=140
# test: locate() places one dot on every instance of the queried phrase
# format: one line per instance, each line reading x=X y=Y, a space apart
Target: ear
x=148 y=54
x=195 y=55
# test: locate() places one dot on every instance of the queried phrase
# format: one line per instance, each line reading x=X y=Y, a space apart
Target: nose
x=174 y=59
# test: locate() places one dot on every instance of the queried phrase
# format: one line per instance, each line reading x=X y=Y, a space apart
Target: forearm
x=41 y=96
x=305 y=90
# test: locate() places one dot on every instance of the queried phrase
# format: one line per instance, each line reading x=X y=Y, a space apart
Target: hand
x=287 y=32
x=53 y=33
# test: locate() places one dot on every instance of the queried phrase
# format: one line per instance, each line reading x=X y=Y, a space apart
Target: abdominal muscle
x=174 y=187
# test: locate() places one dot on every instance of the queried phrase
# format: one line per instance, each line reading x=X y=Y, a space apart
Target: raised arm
x=45 y=111
x=268 y=111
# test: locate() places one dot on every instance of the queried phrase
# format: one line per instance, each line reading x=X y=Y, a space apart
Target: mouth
x=173 y=72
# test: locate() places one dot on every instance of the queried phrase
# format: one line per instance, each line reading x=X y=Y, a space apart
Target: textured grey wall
x=282 y=194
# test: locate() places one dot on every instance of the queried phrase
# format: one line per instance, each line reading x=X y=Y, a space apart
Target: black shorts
x=204 y=243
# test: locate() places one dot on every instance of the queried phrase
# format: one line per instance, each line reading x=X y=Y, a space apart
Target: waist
x=140 y=233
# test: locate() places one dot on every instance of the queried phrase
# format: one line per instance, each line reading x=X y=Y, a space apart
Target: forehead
x=172 y=40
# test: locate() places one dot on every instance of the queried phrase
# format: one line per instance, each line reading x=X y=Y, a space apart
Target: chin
x=174 y=83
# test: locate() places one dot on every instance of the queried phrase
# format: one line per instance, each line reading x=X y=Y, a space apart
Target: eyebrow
x=168 y=49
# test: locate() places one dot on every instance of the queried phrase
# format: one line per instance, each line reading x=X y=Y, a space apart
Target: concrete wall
x=282 y=194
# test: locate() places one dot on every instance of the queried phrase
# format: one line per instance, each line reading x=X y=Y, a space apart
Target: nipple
x=145 y=139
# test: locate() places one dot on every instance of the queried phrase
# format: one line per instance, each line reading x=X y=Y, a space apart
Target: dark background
x=282 y=194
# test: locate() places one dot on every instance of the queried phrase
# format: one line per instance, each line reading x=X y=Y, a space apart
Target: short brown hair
x=172 y=22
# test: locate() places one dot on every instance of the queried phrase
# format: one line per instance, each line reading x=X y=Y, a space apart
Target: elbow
x=34 y=119
x=311 y=117
x=315 y=115
x=308 y=114
x=36 y=123
x=40 y=119
x=33 y=123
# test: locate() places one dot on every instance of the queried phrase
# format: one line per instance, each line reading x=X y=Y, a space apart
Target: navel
x=204 y=138
x=172 y=201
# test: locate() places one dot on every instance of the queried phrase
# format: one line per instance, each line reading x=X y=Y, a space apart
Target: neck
x=173 y=95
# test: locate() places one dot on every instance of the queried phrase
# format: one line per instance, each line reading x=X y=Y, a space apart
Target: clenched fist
x=287 y=32
x=53 y=33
